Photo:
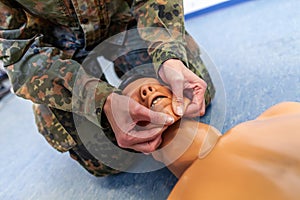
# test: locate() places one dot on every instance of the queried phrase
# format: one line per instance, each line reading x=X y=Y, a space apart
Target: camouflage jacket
x=40 y=42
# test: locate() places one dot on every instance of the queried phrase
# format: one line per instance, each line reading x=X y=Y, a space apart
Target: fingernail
x=170 y=120
x=179 y=110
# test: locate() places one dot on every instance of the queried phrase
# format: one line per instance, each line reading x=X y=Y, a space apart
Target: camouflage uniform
x=43 y=44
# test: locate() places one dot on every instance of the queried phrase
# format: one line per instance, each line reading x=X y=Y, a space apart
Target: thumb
x=177 y=99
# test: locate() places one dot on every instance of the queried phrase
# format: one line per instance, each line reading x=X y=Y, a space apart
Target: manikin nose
x=146 y=90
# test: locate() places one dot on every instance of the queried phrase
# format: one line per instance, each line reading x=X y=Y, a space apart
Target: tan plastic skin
x=258 y=159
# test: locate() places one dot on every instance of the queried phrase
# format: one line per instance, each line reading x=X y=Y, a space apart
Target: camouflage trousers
x=60 y=132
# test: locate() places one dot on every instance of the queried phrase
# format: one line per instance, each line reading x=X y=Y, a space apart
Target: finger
x=135 y=137
x=177 y=105
x=177 y=88
x=149 y=146
x=202 y=112
x=151 y=126
x=195 y=109
x=197 y=106
x=156 y=118
x=193 y=78
x=160 y=118
x=177 y=99
x=144 y=133
x=127 y=140
x=194 y=112
x=175 y=80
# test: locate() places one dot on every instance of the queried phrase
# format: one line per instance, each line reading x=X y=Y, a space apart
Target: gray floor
x=256 y=50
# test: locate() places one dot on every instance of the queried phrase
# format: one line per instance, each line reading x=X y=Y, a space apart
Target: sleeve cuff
x=166 y=51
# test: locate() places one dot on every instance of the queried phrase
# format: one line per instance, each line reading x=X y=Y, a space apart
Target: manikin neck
x=184 y=142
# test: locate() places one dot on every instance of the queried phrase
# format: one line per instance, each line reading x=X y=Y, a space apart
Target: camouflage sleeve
x=167 y=32
x=168 y=38
x=44 y=74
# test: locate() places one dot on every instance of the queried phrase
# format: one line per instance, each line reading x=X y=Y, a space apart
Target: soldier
x=44 y=45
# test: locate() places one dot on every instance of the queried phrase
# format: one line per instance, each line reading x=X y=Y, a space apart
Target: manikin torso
x=258 y=159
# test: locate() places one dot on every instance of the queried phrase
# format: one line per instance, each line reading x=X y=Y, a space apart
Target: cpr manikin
x=258 y=159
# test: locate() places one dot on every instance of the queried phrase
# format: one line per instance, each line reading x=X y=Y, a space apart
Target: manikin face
x=151 y=94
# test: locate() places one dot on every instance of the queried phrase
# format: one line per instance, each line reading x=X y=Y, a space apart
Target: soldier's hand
x=135 y=126
x=183 y=82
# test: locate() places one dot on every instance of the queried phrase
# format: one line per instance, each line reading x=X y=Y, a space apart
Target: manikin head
x=150 y=93
x=182 y=142
x=142 y=85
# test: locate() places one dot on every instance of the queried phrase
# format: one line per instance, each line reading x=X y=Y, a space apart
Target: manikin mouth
x=155 y=100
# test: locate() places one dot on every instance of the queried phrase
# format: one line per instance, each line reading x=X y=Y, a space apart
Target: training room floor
x=255 y=48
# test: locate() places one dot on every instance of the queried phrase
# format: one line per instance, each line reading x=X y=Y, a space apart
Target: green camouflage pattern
x=43 y=44
x=49 y=126
x=173 y=41
x=58 y=128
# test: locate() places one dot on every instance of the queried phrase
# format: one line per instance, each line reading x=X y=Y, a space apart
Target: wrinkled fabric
x=43 y=45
